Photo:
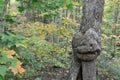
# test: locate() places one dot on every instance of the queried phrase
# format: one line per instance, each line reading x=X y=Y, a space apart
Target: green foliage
x=48 y=7
x=42 y=50
x=7 y=61
x=9 y=19
x=3 y=70
x=11 y=40
x=8 y=58
x=109 y=67
x=108 y=62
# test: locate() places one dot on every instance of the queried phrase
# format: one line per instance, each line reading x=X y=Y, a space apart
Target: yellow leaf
x=18 y=45
x=113 y=36
x=12 y=29
x=42 y=36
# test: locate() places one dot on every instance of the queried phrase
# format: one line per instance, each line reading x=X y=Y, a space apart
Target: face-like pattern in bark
x=86 y=46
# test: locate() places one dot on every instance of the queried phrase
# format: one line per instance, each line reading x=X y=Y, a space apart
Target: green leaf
x=9 y=19
x=21 y=9
x=14 y=63
x=4 y=59
x=1 y=78
x=70 y=6
x=35 y=1
x=3 y=70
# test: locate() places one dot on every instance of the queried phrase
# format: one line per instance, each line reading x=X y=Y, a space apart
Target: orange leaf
x=10 y=53
x=12 y=29
x=18 y=69
x=14 y=70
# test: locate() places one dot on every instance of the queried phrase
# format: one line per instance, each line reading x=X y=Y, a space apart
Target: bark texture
x=86 y=43
x=86 y=46
x=89 y=70
x=92 y=15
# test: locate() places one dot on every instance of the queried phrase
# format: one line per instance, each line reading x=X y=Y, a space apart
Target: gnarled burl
x=86 y=47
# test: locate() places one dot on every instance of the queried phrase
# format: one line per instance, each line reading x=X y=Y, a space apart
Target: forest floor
x=54 y=73
x=51 y=73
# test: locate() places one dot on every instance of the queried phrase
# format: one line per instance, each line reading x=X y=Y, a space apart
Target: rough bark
x=86 y=43
x=92 y=15
x=89 y=70
x=86 y=46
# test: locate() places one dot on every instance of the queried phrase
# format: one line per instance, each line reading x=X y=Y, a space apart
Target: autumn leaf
x=113 y=36
x=12 y=29
x=42 y=36
x=10 y=53
x=18 y=69
x=117 y=24
x=14 y=70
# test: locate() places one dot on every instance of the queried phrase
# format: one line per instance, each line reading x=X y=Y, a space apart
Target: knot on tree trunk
x=86 y=47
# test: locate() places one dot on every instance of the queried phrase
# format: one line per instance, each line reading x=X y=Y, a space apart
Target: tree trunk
x=89 y=70
x=86 y=44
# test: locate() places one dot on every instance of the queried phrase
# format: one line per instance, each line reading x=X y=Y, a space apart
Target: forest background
x=36 y=35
